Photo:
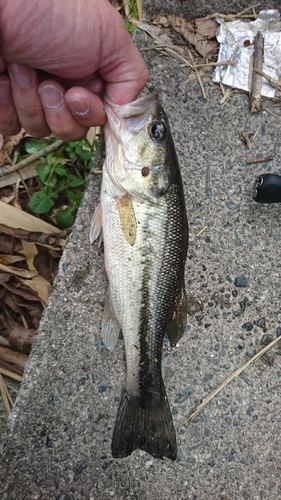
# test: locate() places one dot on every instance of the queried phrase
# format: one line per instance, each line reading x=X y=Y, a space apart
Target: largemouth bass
x=144 y=226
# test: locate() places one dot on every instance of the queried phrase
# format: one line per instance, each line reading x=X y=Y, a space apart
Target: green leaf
x=34 y=145
x=41 y=202
x=86 y=155
x=65 y=218
x=75 y=181
x=60 y=169
x=43 y=170
x=53 y=180
x=75 y=197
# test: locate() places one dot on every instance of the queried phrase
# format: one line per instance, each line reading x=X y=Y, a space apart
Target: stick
x=7 y=169
x=231 y=377
x=274 y=83
x=259 y=160
x=11 y=367
x=202 y=230
x=220 y=63
x=55 y=240
x=255 y=103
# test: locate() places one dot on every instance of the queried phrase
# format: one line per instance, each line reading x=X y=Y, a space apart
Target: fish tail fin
x=145 y=423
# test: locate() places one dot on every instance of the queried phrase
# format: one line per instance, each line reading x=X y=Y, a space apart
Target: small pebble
x=266 y=339
x=241 y=281
x=247 y=326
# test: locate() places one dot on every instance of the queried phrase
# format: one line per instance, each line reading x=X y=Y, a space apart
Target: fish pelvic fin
x=176 y=326
x=96 y=224
x=144 y=423
x=110 y=325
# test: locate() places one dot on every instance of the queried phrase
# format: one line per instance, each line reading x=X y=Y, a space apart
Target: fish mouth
x=132 y=116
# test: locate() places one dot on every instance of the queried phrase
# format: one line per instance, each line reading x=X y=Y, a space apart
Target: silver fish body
x=145 y=235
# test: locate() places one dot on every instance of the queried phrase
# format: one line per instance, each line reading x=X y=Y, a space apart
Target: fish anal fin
x=96 y=224
x=177 y=324
x=127 y=218
x=110 y=326
x=146 y=425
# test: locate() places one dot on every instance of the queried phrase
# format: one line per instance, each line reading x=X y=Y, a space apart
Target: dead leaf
x=9 y=244
x=10 y=259
x=23 y=220
x=46 y=265
x=9 y=143
x=24 y=273
x=16 y=286
x=21 y=338
x=198 y=33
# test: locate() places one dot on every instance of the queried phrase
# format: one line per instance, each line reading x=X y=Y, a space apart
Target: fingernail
x=21 y=74
x=78 y=107
x=50 y=96
x=5 y=92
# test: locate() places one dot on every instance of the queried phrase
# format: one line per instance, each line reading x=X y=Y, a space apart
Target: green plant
x=63 y=176
x=133 y=14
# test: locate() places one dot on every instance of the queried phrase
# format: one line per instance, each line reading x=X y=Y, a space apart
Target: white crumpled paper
x=234 y=38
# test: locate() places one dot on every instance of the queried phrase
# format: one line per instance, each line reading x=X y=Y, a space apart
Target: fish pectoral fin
x=127 y=218
x=96 y=224
x=110 y=326
x=177 y=324
x=144 y=424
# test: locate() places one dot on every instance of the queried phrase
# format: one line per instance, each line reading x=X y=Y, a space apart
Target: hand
x=56 y=59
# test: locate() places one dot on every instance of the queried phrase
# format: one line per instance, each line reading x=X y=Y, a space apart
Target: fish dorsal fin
x=110 y=325
x=127 y=218
x=96 y=224
x=177 y=324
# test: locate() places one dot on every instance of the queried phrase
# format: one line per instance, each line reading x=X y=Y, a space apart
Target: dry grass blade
x=233 y=375
x=7 y=400
x=10 y=374
x=139 y=6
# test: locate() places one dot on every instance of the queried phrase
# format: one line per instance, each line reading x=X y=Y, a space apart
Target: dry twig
x=274 y=83
x=256 y=103
x=7 y=169
x=259 y=160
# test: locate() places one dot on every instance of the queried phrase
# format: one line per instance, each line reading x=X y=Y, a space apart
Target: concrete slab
x=57 y=443
x=201 y=8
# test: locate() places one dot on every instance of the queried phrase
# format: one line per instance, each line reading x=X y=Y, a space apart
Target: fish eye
x=157 y=130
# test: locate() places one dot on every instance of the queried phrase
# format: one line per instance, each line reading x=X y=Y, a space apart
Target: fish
x=142 y=217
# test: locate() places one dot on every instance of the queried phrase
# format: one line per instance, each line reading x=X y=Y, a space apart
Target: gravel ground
x=57 y=443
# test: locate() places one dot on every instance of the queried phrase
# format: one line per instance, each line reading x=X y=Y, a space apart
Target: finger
x=58 y=116
x=30 y=112
x=86 y=107
x=9 y=123
x=3 y=65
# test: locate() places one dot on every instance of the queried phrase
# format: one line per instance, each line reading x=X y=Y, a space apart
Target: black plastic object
x=267 y=188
